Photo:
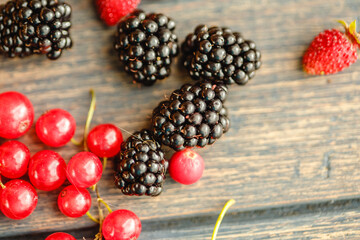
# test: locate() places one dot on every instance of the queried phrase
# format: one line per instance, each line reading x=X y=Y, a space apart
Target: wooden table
x=290 y=158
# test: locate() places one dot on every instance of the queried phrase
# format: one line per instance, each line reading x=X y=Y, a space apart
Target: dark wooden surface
x=290 y=158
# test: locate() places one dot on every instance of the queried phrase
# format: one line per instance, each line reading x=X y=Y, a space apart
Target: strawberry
x=332 y=51
x=111 y=11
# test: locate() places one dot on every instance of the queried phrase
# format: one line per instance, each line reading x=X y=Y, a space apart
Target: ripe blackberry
x=146 y=45
x=34 y=27
x=193 y=116
x=141 y=165
x=219 y=54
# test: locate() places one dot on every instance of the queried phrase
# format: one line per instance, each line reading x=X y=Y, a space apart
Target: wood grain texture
x=294 y=139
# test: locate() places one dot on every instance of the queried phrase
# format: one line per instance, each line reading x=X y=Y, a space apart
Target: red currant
x=74 y=202
x=84 y=169
x=60 y=236
x=56 y=127
x=104 y=140
x=121 y=224
x=16 y=115
x=186 y=167
x=47 y=170
x=14 y=159
x=18 y=199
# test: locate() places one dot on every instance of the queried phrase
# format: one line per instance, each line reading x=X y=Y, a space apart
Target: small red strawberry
x=332 y=51
x=111 y=11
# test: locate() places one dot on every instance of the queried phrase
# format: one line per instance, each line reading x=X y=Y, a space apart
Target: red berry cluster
x=48 y=171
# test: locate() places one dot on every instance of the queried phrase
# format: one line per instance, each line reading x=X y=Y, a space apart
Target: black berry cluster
x=34 y=27
x=141 y=165
x=146 y=45
x=219 y=54
x=193 y=116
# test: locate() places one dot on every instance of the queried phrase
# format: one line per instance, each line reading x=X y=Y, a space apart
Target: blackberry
x=146 y=45
x=141 y=165
x=193 y=116
x=34 y=27
x=219 y=54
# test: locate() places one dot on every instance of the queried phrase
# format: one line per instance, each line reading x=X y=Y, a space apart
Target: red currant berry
x=60 y=236
x=84 y=169
x=14 y=159
x=186 y=167
x=16 y=115
x=18 y=199
x=56 y=127
x=47 y=170
x=104 y=140
x=121 y=224
x=74 y=202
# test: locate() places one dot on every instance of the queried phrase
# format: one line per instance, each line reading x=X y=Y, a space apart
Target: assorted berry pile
x=146 y=44
x=332 y=51
x=219 y=54
x=193 y=116
x=35 y=27
x=48 y=171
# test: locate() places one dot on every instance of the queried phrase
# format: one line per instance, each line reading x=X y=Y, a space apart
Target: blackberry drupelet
x=219 y=54
x=193 y=116
x=34 y=27
x=146 y=45
x=141 y=165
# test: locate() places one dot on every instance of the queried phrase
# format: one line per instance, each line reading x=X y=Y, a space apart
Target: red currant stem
x=101 y=214
x=2 y=185
x=89 y=117
x=105 y=204
x=77 y=143
x=93 y=187
x=104 y=162
x=91 y=217
x=221 y=216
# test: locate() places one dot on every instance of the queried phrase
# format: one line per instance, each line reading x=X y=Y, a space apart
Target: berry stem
x=105 y=204
x=104 y=163
x=101 y=213
x=77 y=143
x=2 y=185
x=221 y=216
x=91 y=217
x=89 y=117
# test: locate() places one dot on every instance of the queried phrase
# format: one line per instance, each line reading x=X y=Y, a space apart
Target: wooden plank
x=337 y=224
x=326 y=220
x=294 y=138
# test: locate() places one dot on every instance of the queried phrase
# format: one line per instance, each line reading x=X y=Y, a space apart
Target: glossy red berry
x=16 y=115
x=104 y=140
x=18 y=199
x=84 y=169
x=14 y=159
x=56 y=127
x=121 y=224
x=74 y=202
x=47 y=170
x=186 y=167
x=60 y=236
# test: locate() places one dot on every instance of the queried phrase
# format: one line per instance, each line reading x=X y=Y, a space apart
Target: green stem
x=101 y=214
x=221 y=216
x=91 y=217
x=89 y=117
x=105 y=204
x=75 y=142
x=104 y=163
